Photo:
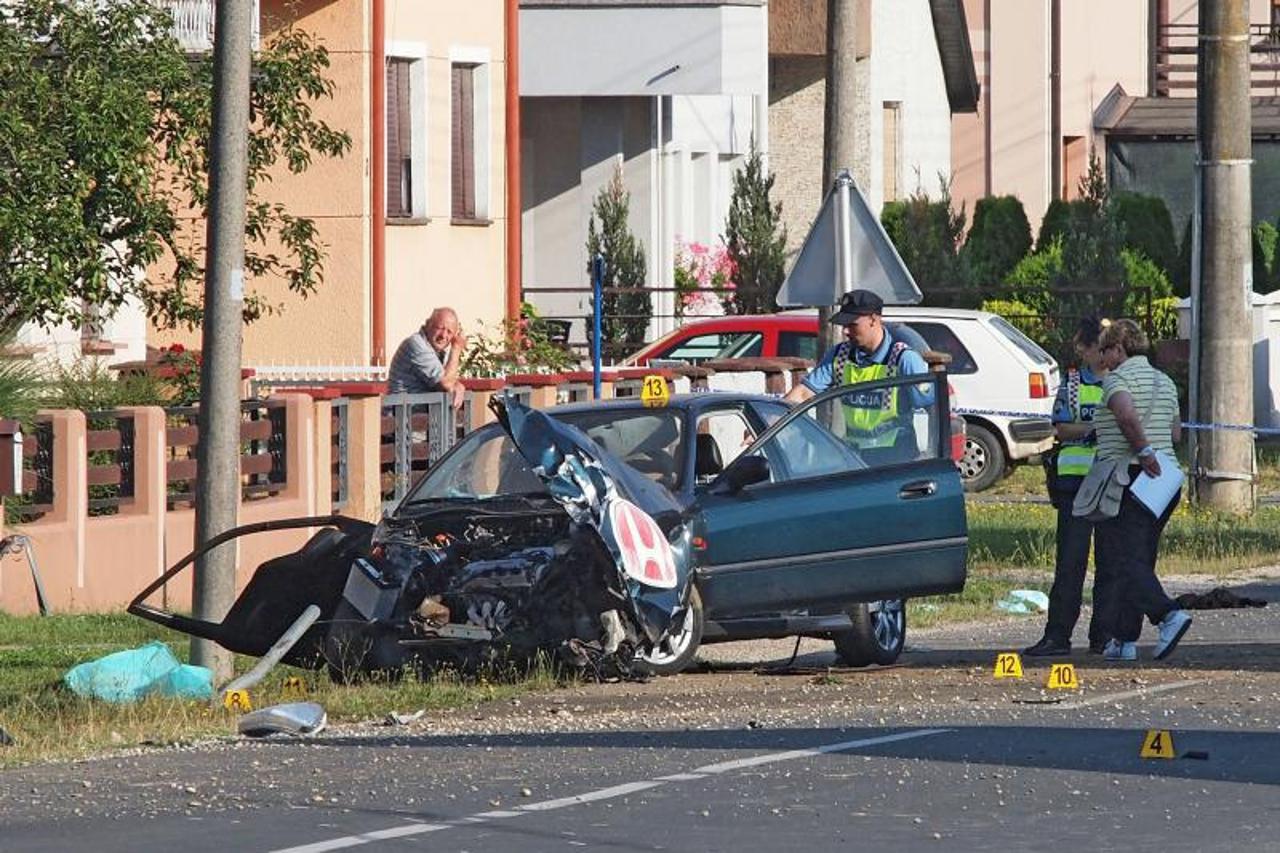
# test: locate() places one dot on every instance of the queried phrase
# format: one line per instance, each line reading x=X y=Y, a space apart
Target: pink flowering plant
x=703 y=279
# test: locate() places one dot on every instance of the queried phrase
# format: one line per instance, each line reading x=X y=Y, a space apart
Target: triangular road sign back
x=818 y=279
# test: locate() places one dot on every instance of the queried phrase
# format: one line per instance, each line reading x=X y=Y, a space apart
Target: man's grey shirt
x=416 y=368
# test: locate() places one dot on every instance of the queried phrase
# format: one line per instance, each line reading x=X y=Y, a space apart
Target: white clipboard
x=1155 y=493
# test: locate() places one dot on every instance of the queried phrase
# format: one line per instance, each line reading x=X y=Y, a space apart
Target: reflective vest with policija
x=1075 y=458
x=870 y=417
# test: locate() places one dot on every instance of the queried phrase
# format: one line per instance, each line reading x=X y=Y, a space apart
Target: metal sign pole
x=597 y=310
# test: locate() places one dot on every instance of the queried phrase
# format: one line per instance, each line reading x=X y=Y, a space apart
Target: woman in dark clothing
x=1079 y=395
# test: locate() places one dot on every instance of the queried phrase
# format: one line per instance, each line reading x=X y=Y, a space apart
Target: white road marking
x=612 y=792
x=591 y=796
x=1131 y=694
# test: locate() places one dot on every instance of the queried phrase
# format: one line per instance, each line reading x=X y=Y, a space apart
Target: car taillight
x=1038 y=386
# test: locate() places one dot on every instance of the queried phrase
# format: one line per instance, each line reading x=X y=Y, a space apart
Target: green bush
x=91 y=386
x=1181 y=276
x=1031 y=279
x=927 y=235
x=19 y=380
x=999 y=238
x=1020 y=314
x=1147 y=227
x=1054 y=224
x=1263 y=242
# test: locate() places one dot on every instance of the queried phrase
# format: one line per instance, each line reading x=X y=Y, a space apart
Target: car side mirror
x=745 y=471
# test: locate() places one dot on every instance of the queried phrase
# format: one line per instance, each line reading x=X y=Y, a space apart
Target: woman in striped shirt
x=1138 y=420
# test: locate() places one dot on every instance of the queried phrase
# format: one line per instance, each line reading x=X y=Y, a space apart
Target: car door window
x=721 y=438
x=941 y=339
x=820 y=437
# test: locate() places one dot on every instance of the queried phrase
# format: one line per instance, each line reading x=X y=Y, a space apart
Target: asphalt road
x=933 y=754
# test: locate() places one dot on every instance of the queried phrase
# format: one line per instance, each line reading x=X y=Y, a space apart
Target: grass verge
x=1021 y=536
x=48 y=722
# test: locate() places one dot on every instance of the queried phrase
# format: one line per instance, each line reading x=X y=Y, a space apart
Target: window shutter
x=464 y=155
x=399 y=140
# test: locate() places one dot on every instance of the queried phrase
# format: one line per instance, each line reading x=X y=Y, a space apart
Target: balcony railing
x=193 y=23
x=1173 y=70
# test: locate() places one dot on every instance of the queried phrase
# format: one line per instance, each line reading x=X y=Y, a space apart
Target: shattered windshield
x=485 y=464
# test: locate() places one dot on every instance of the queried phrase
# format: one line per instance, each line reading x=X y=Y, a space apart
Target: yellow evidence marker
x=293 y=686
x=237 y=700
x=654 y=392
x=1157 y=744
x=1062 y=676
x=1008 y=665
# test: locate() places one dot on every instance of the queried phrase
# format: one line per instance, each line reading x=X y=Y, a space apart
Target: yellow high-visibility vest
x=1075 y=458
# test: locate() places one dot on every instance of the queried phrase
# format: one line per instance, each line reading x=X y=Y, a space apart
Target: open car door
x=831 y=520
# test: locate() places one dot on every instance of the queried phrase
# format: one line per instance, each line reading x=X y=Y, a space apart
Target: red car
x=767 y=335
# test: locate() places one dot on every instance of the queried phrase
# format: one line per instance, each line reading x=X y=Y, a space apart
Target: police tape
x=1196 y=425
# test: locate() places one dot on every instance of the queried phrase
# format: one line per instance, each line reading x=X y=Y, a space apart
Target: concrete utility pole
x=218 y=457
x=1223 y=465
x=838 y=138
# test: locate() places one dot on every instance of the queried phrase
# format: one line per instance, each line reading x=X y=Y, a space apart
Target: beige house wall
x=436 y=262
x=430 y=262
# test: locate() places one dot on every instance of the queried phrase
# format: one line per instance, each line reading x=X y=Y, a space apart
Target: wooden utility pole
x=218 y=456
x=1223 y=293
x=838 y=138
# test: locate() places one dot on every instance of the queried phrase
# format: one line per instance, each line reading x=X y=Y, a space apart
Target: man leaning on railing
x=429 y=359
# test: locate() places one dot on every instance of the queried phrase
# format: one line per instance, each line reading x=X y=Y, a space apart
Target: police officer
x=1065 y=470
x=873 y=420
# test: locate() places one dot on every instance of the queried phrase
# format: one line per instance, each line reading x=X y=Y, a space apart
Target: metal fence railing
x=416 y=429
x=109 y=443
x=339 y=460
x=263 y=451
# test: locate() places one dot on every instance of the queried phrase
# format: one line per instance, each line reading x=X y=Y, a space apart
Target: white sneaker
x=1171 y=627
x=1116 y=650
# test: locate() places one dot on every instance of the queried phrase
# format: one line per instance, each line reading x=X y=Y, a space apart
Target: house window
x=892 y=142
x=406 y=133
x=469 y=155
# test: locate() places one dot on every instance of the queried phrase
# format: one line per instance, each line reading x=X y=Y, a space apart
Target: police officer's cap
x=855 y=304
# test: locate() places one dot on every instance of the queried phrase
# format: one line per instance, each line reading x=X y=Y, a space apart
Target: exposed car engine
x=520 y=577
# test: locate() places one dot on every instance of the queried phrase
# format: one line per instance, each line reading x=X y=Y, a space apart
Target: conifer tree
x=625 y=321
x=756 y=240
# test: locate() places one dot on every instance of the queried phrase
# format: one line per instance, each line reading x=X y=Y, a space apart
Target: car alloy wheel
x=676 y=650
x=888 y=623
x=877 y=634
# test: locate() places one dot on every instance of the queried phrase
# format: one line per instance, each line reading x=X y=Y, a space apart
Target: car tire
x=877 y=636
x=676 y=651
x=983 y=462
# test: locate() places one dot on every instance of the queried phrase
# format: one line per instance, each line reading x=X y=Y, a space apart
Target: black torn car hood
x=597 y=489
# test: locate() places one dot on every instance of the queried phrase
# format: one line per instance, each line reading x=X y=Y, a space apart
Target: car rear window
x=798 y=344
x=1021 y=341
x=940 y=338
x=699 y=347
x=748 y=345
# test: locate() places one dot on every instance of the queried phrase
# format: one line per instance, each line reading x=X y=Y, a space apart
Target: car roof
x=907 y=311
